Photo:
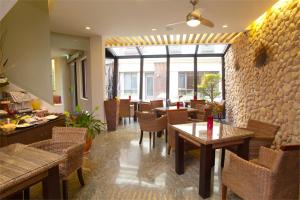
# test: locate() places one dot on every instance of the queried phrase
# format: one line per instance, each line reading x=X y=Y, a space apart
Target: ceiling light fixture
x=154 y=29
x=88 y=28
x=192 y=20
x=225 y=26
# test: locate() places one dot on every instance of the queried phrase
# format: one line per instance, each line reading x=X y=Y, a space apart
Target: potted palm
x=86 y=119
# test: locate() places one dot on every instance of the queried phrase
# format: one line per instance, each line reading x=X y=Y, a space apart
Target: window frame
x=83 y=67
x=168 y=56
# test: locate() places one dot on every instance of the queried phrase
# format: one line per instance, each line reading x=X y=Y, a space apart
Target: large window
x=209 y=65
x=154 y=78
x=181 y=78
x=129 y=78
x=181 y=73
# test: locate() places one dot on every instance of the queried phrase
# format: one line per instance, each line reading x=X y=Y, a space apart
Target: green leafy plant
x=210 y=86
x=87 y=120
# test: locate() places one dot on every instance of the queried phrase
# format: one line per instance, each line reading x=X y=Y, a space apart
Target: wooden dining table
x=163 y=110
x=208 y=139
x=23 y=166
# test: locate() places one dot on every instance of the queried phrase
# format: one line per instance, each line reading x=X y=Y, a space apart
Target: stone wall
x=270 y=93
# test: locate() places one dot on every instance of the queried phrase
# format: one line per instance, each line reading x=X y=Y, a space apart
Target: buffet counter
x=31 y=134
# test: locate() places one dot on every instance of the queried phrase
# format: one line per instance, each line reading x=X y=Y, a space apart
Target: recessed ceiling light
x=88 y=28
x=225 y=26
x=154 y=29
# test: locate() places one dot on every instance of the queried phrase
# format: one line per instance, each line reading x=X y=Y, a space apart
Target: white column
x=97 y=73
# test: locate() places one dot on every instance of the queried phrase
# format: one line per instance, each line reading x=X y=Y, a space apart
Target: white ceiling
x=5 y=6
x=138 y=17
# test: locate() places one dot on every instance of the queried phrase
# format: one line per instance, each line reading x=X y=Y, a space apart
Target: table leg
x=51 y=185
x=206 y=157
x=243 y=149
x=179 y=154
x=135 y=109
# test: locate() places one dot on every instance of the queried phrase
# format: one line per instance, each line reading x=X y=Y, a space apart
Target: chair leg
x=150 y=134
x=224 y=192
x=153 y=139
x=169 y=149
x=65 y=189
x=166 y=135
x=80 y=176
x=27 y=194
x=141 y=137
x=222 y=157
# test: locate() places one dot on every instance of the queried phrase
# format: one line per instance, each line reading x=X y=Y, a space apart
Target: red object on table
x=210 y=122
x=129 y=97
x=178 y=105
x=195 y=97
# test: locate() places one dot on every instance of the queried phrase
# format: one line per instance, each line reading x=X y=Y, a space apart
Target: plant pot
x=88 y=144
x=111 y=107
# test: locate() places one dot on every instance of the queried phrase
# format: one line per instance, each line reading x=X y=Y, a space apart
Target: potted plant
x=210 y=86
x=85 y=119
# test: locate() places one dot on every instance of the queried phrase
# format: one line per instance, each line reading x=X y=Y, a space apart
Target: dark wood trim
x=196 y=50
x=171 y=55
x=228 y=46
x=195 y=75
x=139 y=50
x=75 y=80
x=168 y=79
x=115 y=77
x=141 y=77
x=223 y=85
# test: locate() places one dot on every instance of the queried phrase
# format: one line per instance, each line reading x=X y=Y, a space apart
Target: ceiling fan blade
x=176 y=23
x=206 y=22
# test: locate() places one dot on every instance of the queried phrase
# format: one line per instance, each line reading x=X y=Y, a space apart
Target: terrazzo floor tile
x=119 y=168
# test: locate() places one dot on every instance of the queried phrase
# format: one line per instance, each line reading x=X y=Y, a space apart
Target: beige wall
x=270 y=93
x=74 y=43
x=58 y=77
x=28 y=47
x=62 y=75
x=63 y=41
x=96 y=74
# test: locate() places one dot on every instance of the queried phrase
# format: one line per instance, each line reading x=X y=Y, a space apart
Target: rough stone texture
x=270 y=93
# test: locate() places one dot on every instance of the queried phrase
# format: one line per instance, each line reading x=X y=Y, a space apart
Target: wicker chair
x=219 y=107
x=275 y=175
x=157 y=103
x=150 y=123
x=125 y=109
x=69 y=142
x=145 y=107
x=203 y=111
x=264 y=134
x=179 y=116
x=194 y=103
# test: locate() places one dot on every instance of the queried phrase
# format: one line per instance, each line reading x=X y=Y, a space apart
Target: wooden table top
x=220 y=133
x=165 y=109
x=20 y=162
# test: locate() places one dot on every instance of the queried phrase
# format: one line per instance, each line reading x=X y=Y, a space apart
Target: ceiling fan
x=194 y=18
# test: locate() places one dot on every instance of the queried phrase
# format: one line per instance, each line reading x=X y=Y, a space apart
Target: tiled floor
x=119 y=168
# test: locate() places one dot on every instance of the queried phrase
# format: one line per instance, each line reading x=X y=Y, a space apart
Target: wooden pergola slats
x=199 y=38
